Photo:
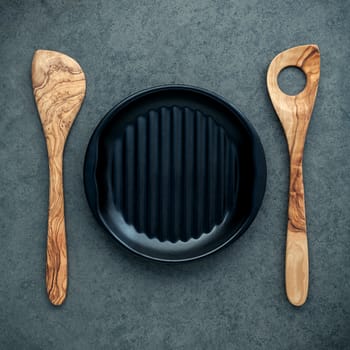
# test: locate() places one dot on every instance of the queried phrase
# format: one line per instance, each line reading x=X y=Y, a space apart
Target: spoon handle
x=297 y=257
x=56 y=253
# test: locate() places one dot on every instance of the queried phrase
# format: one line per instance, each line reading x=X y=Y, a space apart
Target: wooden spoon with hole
x=294 y=113
x=59 y=88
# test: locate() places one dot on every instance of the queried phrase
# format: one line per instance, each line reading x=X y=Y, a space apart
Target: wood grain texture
x=294 y=113
x=59 y=88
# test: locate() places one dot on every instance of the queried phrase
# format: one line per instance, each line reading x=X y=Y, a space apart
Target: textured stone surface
x=233 y=299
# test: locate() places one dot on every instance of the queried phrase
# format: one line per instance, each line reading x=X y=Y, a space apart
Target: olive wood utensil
x=59 y=88
x=294 y=113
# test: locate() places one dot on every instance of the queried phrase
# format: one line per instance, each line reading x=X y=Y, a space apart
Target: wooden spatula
x=59 y=88
x=294 y=113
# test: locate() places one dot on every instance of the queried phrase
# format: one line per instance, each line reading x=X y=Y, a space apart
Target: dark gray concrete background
x=233 y=299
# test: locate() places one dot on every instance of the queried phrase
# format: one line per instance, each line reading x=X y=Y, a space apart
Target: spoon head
x=294 y=111
x=59 y=87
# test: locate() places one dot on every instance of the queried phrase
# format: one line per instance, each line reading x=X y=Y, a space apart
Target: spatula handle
x=297 y=258
x=56 y=253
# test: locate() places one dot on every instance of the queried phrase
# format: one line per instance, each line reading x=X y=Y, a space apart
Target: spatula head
x=59 y=88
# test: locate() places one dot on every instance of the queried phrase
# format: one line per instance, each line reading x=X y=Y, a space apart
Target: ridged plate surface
x=174 y=173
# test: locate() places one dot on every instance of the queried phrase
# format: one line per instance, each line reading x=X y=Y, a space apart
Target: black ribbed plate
x=174 y=173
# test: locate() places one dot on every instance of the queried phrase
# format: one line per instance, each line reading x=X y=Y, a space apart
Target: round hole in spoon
x=292 y=80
